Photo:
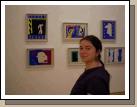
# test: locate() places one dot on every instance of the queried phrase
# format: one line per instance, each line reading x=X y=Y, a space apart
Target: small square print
x=74 y=31
x=74 y=57
x=109 y=30
x=40 y=57
x=36 y=27
x=114 y=55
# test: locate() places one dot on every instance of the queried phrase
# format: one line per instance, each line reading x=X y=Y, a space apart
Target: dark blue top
x=93 y=81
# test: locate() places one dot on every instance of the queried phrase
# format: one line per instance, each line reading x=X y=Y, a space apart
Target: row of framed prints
x=45 y=56
x=37 y=29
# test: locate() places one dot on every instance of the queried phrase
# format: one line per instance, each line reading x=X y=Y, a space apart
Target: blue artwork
x=114 y=55
x=40 y=56
x=109 y=30
x=74 y=31
x=37 y=26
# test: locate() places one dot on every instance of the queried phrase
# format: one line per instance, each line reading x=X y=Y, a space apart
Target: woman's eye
x=80 y=48
x=87 y=48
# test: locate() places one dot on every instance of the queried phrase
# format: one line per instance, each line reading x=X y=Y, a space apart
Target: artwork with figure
x=37 y=27
x=74 y=31
x=114 y=55
x=40 y=56
x=108 y=30
x=74 y=57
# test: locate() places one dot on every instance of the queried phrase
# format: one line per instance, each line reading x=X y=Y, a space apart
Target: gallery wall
x=59 y=78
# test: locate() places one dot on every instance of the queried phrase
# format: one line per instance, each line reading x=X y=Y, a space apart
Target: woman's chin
x=84 y=60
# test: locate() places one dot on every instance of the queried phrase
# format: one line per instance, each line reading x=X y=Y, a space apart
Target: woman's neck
x=92 y=64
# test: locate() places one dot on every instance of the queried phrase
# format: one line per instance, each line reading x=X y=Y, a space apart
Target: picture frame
x=114 y=55
x=108 y=30
x=74 y=57
x=37 y=27
x=40 y=57
x=74 y=31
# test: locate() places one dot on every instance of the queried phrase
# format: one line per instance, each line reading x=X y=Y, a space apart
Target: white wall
x=60 y=78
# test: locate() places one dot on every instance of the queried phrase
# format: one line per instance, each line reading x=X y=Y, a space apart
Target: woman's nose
x=83 y=51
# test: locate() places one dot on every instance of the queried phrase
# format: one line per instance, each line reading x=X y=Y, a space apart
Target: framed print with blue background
x=74 y=31
x=37 y=27
x=40 y=57
x=114 y=55
x=108 y=30
x=74 y=57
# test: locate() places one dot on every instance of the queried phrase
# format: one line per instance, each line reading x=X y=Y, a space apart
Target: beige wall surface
x=60 y=78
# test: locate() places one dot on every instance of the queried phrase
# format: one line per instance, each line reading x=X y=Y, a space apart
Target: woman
x=95 y=79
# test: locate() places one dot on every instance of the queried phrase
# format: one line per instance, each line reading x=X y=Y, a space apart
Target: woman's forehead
x=86 y=43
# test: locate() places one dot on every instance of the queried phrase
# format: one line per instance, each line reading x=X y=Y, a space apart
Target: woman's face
x=88 y=52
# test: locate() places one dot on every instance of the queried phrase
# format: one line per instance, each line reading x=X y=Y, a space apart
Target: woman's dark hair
x=96 y=43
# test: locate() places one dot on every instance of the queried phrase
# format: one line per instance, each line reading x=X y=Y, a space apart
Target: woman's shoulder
x=98 y=72
x=95 y=70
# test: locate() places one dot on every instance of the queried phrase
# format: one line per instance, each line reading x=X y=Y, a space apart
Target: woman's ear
x=98 y=53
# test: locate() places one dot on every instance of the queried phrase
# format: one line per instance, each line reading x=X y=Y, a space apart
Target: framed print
x=40 y=57
x=114 y=55
x=74 y=31
x=109 y=30
x=74 y=57
x=37 y=27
